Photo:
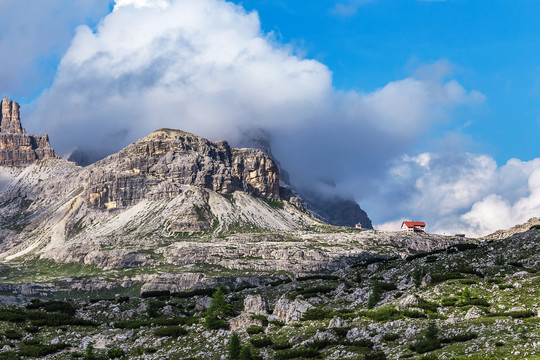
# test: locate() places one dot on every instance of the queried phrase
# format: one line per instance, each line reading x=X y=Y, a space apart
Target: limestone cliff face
x=17 y=147
x=157 y=165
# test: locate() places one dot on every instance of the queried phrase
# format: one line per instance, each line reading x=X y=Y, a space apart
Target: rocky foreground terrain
x=468 y=301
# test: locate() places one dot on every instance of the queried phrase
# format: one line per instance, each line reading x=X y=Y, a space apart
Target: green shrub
x=415 y=314
x=463 y=247
x=342 y=332
x=89 y=353
x=245 y=354
x=280 y=282
x=196 y=292
x=32 y=329
x=427 y=305
x=13 y=315
x=314 y=291
x=299 y=352
x=276 y=322
x=515 y=264
x=432 y=331
x=389 y=313
x=418 y=275
x=500 y=260
x=521 y=314
x=275 y=204
x=375 y=355
x=376 y=295
x=361 y=343
x=424 y=346
x=213 y=323
x=252 y=330
x=390 y=337
x=172 y=331
x=460 y=337
x=281 y=345
x=431 y=258
x=12 y=334
x=261 y=342
x=40 y=350
x=153 y=308
x=318 y=277
x=316 y=314
x=52 y=306
x=261 y=318
x=449 y=301
x=115 y=353
x=9 y=355
x=439 y=278
x=156 y=293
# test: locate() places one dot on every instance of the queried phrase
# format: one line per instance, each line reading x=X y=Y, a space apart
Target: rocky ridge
x=520 y=228
x=17 y=147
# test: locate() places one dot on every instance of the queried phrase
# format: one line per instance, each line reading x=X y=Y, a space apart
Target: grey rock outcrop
x=17 y=147
x=243 y=321
x=256 y=304
x=290 y=311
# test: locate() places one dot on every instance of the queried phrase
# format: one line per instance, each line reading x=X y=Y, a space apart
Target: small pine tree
x=432 y=331
x=245 y=354
x=218 y=311
x=89 y=352
x=234 y=347
x=375 y=296
x=466 y=294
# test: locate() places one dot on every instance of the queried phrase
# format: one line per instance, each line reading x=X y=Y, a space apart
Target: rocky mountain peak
x=17 y=147
x=10 y=120
x=159 y=164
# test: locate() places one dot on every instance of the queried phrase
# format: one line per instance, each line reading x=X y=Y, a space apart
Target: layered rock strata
x=157 y=165
x=17 y=147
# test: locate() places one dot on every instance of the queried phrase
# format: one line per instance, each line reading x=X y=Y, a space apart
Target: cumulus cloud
x=206 y=67
x=34 y=33
x=463 y=192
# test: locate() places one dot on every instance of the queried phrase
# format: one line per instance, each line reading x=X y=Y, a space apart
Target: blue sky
x=493 y=45
x=419 y=110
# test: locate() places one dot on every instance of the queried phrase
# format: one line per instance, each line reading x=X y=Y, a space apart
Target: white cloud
x=141 y=3
x=464 y=193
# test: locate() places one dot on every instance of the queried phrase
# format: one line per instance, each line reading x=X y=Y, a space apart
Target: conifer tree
x=234 y=347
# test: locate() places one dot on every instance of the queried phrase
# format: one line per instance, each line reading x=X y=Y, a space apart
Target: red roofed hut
x=413 y=226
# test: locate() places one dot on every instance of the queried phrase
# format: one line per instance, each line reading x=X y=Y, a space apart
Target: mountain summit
x=17 y=147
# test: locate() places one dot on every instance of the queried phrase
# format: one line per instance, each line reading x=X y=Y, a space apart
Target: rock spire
x=17 y=147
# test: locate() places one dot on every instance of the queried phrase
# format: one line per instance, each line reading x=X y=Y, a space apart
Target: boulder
x=337 y=322
x=243 y=321
x=290 y=311
x=473 y=313
x=256 y=304
x=408 y=301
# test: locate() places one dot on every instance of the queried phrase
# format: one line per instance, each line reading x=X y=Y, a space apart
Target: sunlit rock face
x=158 y=164
x=17 y=147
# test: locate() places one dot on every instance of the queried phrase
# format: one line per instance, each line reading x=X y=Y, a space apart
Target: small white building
x=358 y=226
x=413 y=226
